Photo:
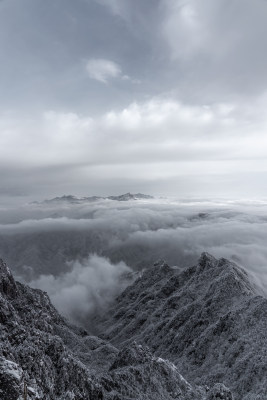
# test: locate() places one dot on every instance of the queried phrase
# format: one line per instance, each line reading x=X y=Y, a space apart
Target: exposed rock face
x=44 y=357
x=33 y=355
x=7 y=283
x=209 y=320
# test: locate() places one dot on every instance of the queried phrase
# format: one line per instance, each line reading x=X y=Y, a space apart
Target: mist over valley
x=79 y=249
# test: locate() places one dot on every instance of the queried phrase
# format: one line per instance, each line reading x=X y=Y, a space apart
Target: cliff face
x=33 y=355
x=207 y=323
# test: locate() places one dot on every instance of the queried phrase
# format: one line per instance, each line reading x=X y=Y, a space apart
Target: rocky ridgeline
x=207 y=323
x=70 y=199
x=209 y=320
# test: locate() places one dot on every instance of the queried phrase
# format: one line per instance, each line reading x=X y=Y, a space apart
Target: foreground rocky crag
x=209 y=320
x=44 y=357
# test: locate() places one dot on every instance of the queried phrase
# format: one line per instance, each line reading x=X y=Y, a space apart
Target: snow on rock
x=10 y=379
x=43 y=355
x=189 y=334
x=209 y=320
x=219 y=391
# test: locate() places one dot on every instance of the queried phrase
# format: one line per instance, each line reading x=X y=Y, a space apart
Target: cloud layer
x=44 y=238
x=146 y=142
x=87 y=289
x=78 y=252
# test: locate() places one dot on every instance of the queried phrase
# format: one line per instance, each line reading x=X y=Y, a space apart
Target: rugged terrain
x=209 y=320
x=205 y=325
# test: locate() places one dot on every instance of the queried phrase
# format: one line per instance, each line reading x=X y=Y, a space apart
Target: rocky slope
x=209 y=320
x=43 y=357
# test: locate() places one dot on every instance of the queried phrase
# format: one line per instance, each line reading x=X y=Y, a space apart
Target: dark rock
x=7 y=284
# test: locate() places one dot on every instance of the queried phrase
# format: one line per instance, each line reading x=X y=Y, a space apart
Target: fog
x=79 y=251
x=86 y=289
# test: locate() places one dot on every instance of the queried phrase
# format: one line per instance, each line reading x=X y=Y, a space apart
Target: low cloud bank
x=86 y=289
x=40 y=242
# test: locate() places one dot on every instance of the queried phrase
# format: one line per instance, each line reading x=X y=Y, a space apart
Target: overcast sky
x=110 y=96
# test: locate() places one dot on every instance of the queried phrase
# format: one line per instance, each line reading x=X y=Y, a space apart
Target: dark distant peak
x=65 y=198
x=143 y=196
x=199 y=216
x=130 y=196
x=8 y=286
x=70 y=199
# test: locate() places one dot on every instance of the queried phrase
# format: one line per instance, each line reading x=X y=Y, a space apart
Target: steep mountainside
x=209 y=320
x=44 y=357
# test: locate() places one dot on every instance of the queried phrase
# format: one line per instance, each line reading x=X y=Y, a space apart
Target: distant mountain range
x=77 y=200
x=208 y=322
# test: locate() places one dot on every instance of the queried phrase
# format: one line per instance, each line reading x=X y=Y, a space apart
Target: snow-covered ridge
x=209 y=320
x=172 y=334
x=43 y=357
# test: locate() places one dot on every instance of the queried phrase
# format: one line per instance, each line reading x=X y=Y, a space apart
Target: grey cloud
x=146 y=141
x=102 y=70
x=218 y=49
x=225 y=39
x=106 y=237
x=197 y=116
x=137 y=233
x=86 y=289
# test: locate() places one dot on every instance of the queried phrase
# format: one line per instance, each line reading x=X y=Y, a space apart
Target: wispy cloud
x=102 y=70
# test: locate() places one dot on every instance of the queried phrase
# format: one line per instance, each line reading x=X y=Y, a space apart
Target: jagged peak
x=4 y=270
x=206 y=258
x=160 y=263
x=8 y=285
x=157 y=271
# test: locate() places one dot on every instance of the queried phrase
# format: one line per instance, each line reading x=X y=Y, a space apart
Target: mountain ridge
x=50 y=359
x=209 y=320
x=78 y=200
x=196 y=333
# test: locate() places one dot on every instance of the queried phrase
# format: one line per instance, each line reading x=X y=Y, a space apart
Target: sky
x=165 y=97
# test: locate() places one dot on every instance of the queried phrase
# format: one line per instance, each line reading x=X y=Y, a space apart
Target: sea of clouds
x=81 y=252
